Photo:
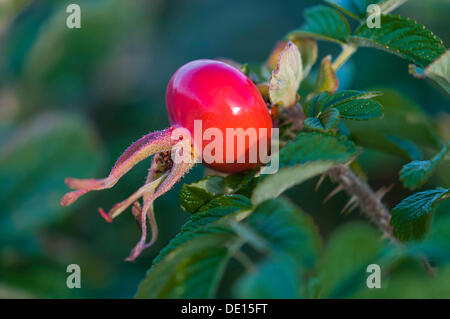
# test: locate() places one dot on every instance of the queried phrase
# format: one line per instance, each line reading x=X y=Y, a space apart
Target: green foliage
x=240 y=239
x=342 y=268
x=403 y=37
x=325 y=110
x=192 y=271
x=353 y=105
x=436 y=245
x=416 y=173
x=400 y=132
x=324 y=122
x=411 y=217
x=308 y=155
x=276 y=277
x=194 y=267
x=195 y=195
x=29 y=197
x=323 y=23
x=206 y=215
x=358 y=8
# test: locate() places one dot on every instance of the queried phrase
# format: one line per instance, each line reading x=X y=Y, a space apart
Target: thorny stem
x=346 y=53
x=367 y=199
x=370 y=204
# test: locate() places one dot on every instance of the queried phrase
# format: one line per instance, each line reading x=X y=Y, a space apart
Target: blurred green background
x=71 y=100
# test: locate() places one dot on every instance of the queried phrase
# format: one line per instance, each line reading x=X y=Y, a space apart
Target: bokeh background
x=71 y=100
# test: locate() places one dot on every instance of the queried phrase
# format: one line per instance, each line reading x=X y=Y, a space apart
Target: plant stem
x=346 y=53
x=367 y=199
x=370 y=204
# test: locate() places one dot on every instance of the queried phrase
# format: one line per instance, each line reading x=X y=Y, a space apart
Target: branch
x=370 y=204
x=366 y=198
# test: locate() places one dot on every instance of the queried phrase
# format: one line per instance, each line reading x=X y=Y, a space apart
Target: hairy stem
x=370 y=204
x=346 y=53
x=367 y=199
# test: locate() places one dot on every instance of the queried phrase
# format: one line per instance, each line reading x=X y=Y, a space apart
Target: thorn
x=104 y=215
x=383 y=191
x=319 y=182
x=352 y=208
x=350 y=202
x=333 y=192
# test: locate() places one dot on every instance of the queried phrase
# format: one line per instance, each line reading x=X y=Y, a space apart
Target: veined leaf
x=293 y=242
x=416 y=173
x=411 y=218
x=286 y=78
x=310 y=147
x=403 y=37
x=207 y=214
x=194 y=266
x=323 y=23
x=326 y=121
x=354 y=105
x=308 y=155
x=193 y=270
x=193 y=196
x=358 y=8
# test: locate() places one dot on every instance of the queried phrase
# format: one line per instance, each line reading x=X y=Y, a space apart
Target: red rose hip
x=222 y=97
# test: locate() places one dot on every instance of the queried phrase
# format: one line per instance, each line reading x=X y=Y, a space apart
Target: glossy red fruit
x=222 y=97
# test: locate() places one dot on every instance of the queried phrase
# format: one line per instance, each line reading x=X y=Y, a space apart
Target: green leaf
x=193 y=270
x=287 y=230
x=206 y=215
x=436 y=245
x=322 y=151
x=327 y=80
x=293 y=243
x=286 y=77
x=411 y=217
x=195 y=195
x=277 y=277
x=243 y=183
x=323 y=23
x=403 y=126
x=358 y=8
x=416 y=173
x=194 y=264
x=350 y=249
x=353 y=105
x=34 y=160
x=413 y=285
x=438 y=71
x=325 y=122
x=403 y=37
